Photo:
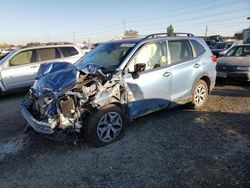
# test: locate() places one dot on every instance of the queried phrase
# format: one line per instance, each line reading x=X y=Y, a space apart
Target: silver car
x=19 y=68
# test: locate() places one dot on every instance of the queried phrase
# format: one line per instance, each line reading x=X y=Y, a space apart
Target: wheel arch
x=205 y=77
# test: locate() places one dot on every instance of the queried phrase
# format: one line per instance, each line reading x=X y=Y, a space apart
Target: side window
x=68 y=51
x=180 y=51
x=198 y=48
x=246 y=51
x=152 y=54
x=48 y=54
x=24 y=57
x=238 y=52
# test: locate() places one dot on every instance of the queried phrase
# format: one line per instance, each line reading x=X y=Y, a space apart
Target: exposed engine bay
x=63 y=96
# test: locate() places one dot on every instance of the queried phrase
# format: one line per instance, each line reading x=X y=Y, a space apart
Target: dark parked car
x=221 y=48
x=235 y=64
x=3 y=55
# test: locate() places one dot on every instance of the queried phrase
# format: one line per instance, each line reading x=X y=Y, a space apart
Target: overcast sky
x=24 y=21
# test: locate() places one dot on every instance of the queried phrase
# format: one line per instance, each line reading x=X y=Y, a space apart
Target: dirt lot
x=177 y=148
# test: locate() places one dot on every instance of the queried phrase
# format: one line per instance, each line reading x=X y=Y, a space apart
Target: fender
x=206 y=74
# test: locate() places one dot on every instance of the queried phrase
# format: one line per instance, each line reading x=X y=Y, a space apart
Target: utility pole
x=74 y=39
x=206 y=31
x=124 y=26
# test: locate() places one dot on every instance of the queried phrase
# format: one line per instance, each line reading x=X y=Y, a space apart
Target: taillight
x=214 y=58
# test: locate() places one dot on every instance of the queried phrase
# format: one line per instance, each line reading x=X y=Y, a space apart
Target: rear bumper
x=237 y=75
x=39 y=126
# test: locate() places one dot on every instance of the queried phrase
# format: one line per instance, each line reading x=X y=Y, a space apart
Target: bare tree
x=131 y=34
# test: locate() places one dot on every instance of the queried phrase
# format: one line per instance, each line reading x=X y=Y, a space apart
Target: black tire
x=93 y=134
x=198 y=101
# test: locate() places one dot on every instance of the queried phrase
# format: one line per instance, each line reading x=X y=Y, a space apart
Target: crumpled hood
x=60 y=76
x=55 y=77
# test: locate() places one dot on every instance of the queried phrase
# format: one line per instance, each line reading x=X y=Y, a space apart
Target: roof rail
x=168 y=34
x=46 y=44
x=58 y=43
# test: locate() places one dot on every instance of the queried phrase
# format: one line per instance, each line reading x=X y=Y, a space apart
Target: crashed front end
x=63 y=96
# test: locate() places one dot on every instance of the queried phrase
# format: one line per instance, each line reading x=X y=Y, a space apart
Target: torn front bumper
x=39 y=126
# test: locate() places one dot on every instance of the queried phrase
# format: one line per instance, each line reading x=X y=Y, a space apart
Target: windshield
x=239 y=51
x=222 y=45
x=108 y=55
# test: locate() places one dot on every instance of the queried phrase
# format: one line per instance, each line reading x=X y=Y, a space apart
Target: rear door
x=20 y=70
x=151 y=88
x=183 y=68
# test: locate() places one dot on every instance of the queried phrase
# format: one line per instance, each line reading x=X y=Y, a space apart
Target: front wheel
x=105 y=126
x=200 y=94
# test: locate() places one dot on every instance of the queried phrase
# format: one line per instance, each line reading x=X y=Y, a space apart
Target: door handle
x=167 y=74
x=197 y=65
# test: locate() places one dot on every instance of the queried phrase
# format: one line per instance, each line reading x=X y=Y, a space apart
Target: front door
x=151 y=88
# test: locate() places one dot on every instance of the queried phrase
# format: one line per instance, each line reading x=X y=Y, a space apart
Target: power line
x=180 y=13
x=114 y=26
x=117 y=26
x=192 y=18
x=172 y=10
x=133 y=18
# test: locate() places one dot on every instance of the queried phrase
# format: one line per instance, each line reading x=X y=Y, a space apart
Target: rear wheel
x=105 y=126
x=200 y=94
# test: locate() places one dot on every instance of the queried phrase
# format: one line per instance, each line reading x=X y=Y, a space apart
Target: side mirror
x=139 y=67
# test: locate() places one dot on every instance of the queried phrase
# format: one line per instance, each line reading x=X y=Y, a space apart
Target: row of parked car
x=233 y=59
x=221 y=48
x=113 y=84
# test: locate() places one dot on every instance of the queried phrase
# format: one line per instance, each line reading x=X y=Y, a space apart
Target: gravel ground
x=177 y=148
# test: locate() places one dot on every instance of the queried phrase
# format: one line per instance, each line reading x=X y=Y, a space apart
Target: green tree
x=170 y=30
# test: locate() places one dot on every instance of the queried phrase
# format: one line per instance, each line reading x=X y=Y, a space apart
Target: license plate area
x=221 y=74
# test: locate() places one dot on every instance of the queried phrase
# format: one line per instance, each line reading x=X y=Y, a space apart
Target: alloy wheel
x=109 y=126
x=200 y=95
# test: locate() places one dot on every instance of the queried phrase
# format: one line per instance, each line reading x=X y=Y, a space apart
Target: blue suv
x=117 y=82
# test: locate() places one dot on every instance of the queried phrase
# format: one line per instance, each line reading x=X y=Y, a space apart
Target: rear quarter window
x=198 y=48
x=46 y=54
x=68 y=51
